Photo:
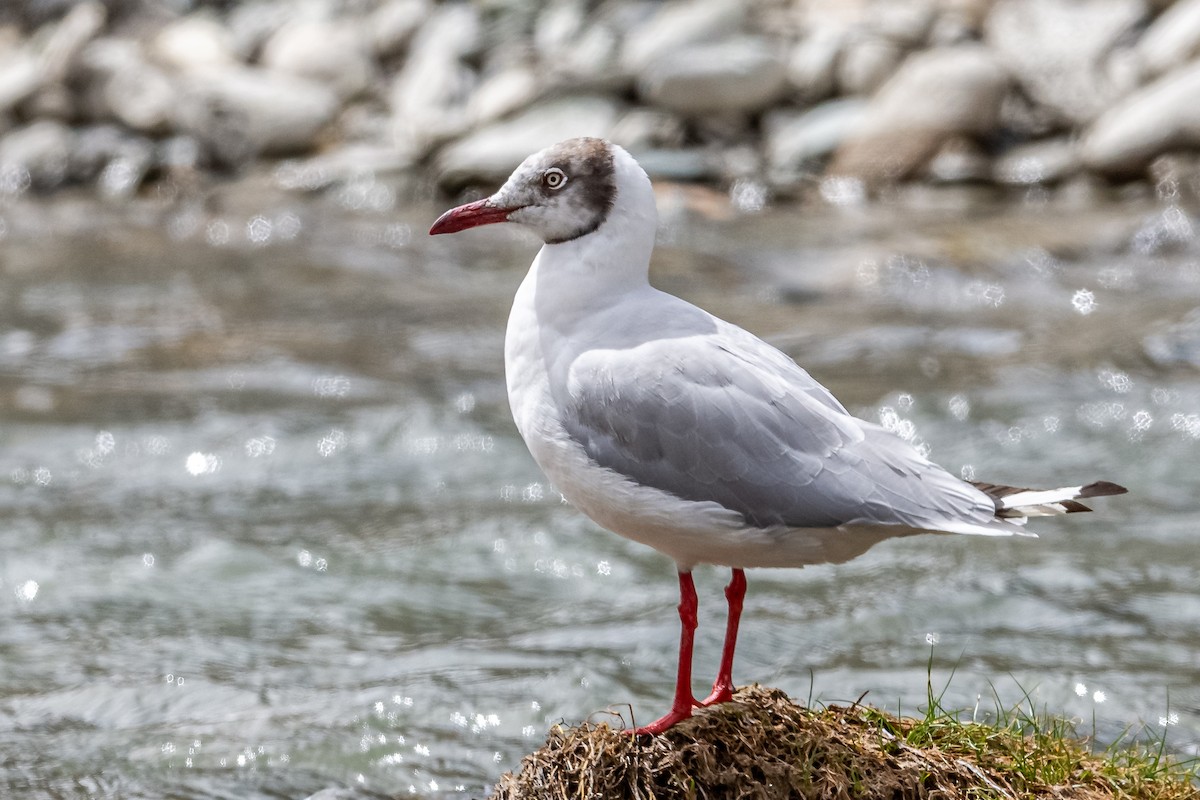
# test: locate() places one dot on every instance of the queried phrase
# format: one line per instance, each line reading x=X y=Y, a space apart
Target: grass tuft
x=763 y=746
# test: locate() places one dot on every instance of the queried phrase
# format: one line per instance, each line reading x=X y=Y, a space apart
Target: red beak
x=481 y=212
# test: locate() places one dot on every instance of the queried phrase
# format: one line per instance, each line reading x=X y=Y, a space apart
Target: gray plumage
x=721 y=416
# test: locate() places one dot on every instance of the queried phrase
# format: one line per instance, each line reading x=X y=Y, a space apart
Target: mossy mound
x=764 y=746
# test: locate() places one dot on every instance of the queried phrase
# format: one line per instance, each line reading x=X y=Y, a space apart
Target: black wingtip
x=1101 y=489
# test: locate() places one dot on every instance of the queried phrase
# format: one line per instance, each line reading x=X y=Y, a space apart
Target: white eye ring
x=554 y=178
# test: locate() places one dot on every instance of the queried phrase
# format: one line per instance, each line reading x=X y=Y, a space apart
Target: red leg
x=722 y=691
x=681 y=709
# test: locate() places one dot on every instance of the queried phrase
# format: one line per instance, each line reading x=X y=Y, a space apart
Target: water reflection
x=268 y=526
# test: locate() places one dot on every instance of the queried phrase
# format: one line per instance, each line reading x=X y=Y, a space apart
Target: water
x=266 y=526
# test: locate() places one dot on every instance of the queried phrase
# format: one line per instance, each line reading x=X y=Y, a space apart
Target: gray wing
x=727 y=418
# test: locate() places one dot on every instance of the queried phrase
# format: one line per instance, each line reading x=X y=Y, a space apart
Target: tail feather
x=1013 y=501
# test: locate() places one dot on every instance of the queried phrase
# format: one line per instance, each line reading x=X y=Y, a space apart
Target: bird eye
x=554 y=178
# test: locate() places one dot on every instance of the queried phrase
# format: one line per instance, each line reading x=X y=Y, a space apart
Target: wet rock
x=42 y=149
x=1162 y=116
x=336 y=54
x=935 y=96
x=94 y=146
x=812 y=64
x=341 y=165
x=242 y=112
x=580 y=50
x=866 y=64
x=1172 y=39
x=646 y=129
x=128 y=88
x=490 y=154
x=69 y=37
x=679 y=24
x=429 y=97
x=796 y=143
x=906 y=23
x=391 y=27
x=1057 y=50
x=193 y=42
x=742 y=74
x=251 y=24
x=503 y=93
x=688 y=165
x=959 y=160
x=1043 y=162
x=20 y=77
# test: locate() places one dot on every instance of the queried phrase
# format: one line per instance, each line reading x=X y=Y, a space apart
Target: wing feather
x=726 y=418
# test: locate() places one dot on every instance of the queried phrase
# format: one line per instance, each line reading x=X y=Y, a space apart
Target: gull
x=676 y=429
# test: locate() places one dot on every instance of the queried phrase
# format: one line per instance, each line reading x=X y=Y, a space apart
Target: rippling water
x=266 y=526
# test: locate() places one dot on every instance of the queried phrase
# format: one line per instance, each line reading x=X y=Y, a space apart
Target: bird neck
x=610 y=261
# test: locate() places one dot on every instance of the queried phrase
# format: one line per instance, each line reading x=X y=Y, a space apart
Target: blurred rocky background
x=764 y=100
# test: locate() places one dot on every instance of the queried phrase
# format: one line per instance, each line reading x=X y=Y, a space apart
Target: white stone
x=336 y=54
x=490 y=154
x=196 y=41
x=812 y=65
x=391 y=27
x=430 y=95
x=795 y=141
x=1165 y=115
x=1057 y=49
x=503 y=93
x=270 y=113
x=678 y=24
x=735 y=75
x=865 y=65
x=935 y=96
x=1172 y=39
x=1040 y=162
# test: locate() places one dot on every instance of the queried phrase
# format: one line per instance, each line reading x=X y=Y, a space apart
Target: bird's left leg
x=722 y=691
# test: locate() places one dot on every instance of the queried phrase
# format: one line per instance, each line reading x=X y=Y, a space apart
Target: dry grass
x=763 y=746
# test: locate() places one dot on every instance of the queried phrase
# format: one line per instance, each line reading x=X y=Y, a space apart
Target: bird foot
x=721 y=693
x=659 y=725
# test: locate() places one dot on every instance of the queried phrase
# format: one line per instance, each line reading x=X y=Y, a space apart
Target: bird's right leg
x=681 y=708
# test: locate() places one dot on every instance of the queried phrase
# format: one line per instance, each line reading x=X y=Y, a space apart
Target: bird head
x=561 y=193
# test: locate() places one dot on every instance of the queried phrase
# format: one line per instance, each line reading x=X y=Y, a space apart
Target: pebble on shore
x=783 y=93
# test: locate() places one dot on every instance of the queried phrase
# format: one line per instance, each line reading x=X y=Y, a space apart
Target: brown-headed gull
x=686 y=433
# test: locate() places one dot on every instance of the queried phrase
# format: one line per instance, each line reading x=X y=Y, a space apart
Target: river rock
x=20 y=77
x=1162 y=116
x=42 y=149
x=905 y=22
x=391 y=27
x=336 y=54
x=128 y=88
x=242 y=112
x=490 y=154
x=1042 y=162
x=936 y=95
x=866 y=63
x=1058 y=50
x=812 y=64
x=646 y=129
x=68 y=38
x=429 y=97
x=797 y=142
x=1172 y=39
x=503 y=93
x=580 y=50
x=193 y=42
x=742 y=74
x=679 y=24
